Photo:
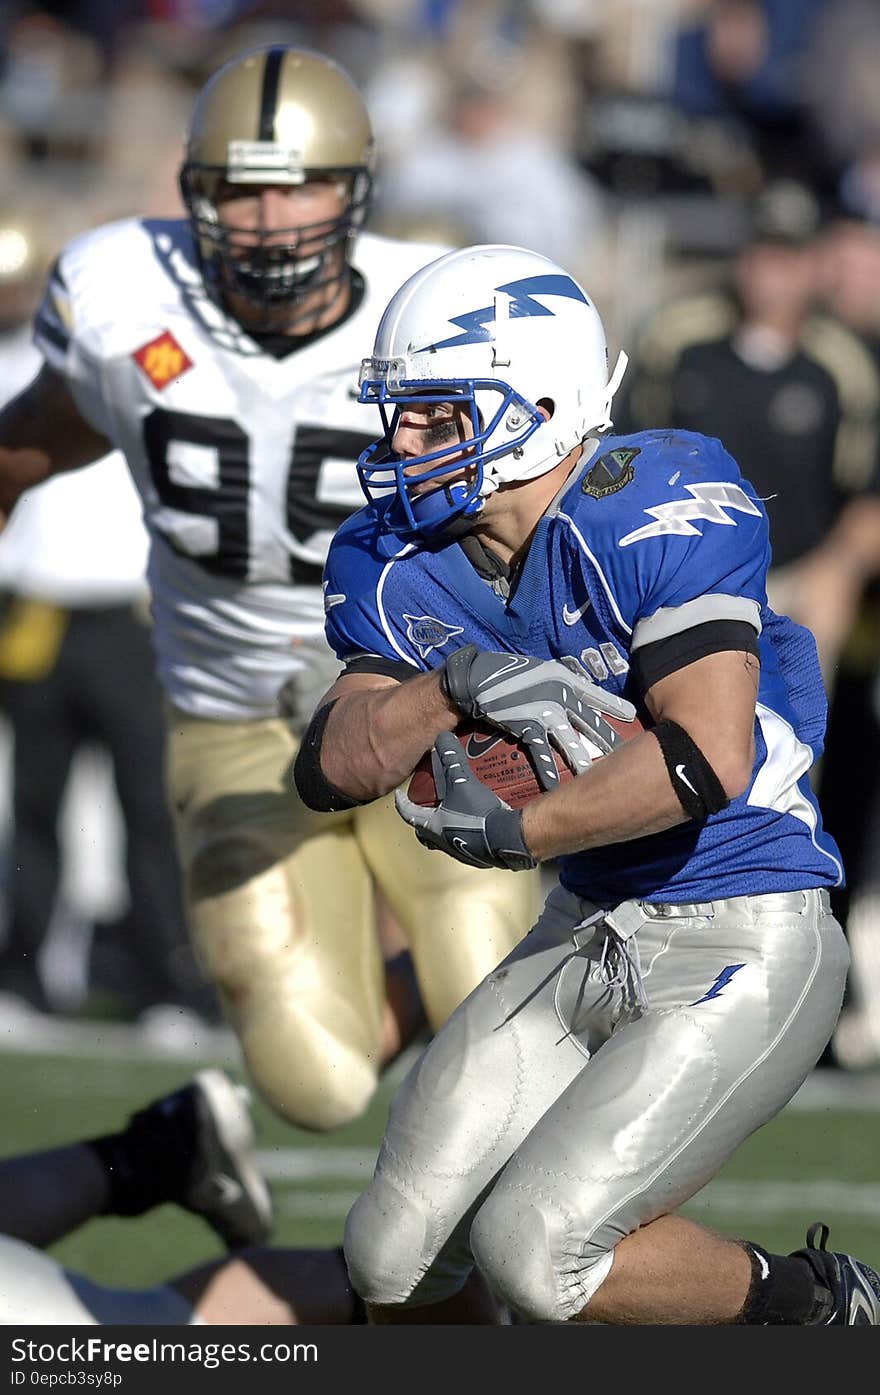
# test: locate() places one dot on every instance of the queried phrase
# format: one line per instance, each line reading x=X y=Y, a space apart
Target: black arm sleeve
x=374 y=663
x=654 y=661
x=312 y=785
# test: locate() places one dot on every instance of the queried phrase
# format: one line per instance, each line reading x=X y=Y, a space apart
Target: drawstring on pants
x=620 y=965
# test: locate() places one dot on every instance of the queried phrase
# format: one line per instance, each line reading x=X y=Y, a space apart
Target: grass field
x=820 y=1160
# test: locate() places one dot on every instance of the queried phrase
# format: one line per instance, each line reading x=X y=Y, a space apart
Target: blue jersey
x=652 y=535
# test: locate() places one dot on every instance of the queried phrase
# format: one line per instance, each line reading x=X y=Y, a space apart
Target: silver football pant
x=594 y=1081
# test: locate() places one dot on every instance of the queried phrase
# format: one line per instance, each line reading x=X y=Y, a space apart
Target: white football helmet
x=502 y=330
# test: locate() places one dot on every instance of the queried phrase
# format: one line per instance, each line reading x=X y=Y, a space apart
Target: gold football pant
x=282 y=911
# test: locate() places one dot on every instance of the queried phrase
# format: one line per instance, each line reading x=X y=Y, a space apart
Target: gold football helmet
x=277 y=115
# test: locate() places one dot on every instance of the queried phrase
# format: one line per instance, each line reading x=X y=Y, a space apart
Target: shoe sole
x=227 y=1105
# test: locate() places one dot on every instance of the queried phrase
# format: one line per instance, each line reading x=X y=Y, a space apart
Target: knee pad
x=531 y=1256
x=387 y=1235
x=384 y=1243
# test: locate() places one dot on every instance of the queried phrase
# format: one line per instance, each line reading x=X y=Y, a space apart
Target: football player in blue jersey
x=517 y=565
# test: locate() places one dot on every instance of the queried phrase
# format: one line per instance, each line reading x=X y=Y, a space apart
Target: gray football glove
x=541 y=702
x=470 y=823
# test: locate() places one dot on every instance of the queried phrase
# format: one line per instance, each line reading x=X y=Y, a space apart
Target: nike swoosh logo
x=331 y=601
x=765 y=1267
x=228 y=1188
x=571 y=617
x=679 y=770
x=463 y=848
x=477 y=745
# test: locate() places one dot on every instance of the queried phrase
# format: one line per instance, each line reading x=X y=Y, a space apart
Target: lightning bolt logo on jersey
x=599 y=579
x=709 y=502
x=245 y=462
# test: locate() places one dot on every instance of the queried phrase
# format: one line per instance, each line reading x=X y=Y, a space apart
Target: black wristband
x=505 y=837
x=454 y=678
x=696 y=785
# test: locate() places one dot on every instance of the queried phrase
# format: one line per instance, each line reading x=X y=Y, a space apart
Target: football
x=503 y=763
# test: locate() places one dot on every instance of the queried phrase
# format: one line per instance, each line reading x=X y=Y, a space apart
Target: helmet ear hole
x=546 y=406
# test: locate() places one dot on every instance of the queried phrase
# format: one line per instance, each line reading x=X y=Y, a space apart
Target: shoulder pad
x=385 y=262
x=116 y=278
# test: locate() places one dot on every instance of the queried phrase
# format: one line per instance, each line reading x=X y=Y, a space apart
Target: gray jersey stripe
x=671 y=620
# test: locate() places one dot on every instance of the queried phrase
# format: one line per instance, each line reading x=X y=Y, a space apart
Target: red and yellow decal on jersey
x=163 y=360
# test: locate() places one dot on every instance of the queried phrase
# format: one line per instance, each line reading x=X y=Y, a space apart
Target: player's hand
x=541 y=702
x=470 y=823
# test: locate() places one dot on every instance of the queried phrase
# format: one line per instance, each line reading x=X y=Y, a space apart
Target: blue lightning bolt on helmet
x=499 y=330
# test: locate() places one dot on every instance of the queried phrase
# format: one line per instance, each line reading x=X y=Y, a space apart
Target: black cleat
x=199 y=1141
x=854 y=1286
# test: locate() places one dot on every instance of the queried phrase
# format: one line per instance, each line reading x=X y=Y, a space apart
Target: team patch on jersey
x=610 y=473
x=426 y=633
x=163 y=360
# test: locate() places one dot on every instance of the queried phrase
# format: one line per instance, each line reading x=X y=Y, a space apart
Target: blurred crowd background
x=710 y=169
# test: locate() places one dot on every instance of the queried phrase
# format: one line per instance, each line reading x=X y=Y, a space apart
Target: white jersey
x=57 y=546
x=244 y=462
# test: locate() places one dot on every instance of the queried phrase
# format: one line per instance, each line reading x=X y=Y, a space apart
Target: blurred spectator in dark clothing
x=841 y=85
x=102 y=20
x=850 y=280
x=793 y=394
x=850 y=276
x=52 y=91
x=741 y=62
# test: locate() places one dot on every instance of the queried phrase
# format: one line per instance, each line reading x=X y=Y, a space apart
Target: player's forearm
x=625 y=795
x=374 y=738
x=42 y=433
x=20 y=470
x=854 y=541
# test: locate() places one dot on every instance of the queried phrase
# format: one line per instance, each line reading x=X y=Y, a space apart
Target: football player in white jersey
x=220 y=353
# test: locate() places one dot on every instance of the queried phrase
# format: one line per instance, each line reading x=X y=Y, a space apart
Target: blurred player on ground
x=192 y=1148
